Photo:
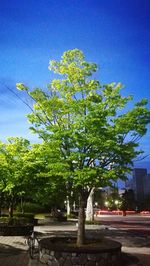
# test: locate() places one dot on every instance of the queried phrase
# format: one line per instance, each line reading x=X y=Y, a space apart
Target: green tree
x=26 y=174
x=12 y=156
x=48 y=186
x=94 y=136
x=128 y=200
x=3 y=174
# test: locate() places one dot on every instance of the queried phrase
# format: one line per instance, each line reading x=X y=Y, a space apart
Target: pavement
x=13 y=249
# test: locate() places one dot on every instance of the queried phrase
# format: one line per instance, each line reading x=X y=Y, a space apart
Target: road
x=132 y=231
x=129 y=222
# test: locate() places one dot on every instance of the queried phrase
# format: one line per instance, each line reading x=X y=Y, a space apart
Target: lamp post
x=106 y=203
x=116 y=203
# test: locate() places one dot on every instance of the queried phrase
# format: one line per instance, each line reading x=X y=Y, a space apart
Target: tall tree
x=82 y=120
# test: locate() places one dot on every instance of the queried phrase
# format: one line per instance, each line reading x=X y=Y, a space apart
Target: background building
x=140 y=183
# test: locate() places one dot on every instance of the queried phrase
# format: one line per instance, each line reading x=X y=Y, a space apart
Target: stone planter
x=56 y=251
x=15 y=230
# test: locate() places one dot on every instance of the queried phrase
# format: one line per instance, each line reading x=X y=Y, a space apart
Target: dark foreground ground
x=133 y=232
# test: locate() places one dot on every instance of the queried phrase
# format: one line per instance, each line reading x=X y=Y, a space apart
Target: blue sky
x=114 y=34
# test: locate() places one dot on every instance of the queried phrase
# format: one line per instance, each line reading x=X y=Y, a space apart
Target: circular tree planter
x=58 y=251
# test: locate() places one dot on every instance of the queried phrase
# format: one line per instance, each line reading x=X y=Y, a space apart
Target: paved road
x=131 y=223
x=132 y=231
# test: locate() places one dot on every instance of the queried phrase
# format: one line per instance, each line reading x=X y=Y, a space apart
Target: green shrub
x=4 y=215
x=14 y=220
x=24 y=215
x=4 y=219
x=72 y=216
x=30 y=207
x=28 y=217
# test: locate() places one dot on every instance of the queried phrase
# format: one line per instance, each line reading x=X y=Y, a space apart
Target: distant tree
x=48 y=186
x=26 y=174
x=113 y=198
x=146 y=202
x=100 y=197
x=128 y=200
x=82 y=121
x=12 y=155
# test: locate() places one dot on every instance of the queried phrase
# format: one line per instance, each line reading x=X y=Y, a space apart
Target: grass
x=41 y=215
x=93 y=222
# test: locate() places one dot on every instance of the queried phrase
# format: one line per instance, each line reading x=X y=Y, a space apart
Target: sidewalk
x=143 y=254
x=13 y=251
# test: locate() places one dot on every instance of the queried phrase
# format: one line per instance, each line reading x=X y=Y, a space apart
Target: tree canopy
x=25 y=173
x=92 y=135
x=12 y=165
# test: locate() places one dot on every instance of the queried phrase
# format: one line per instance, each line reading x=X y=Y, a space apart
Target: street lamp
x=116 y=203
x=106 y=203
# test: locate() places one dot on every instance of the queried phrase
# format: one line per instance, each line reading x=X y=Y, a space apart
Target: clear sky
x=115 y=34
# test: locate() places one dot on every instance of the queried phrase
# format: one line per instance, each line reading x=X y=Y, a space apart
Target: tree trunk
x=0 y=207
x=68 y=206
x=81 y=222
x=89 y=207
x=1 y=200
x=11 y=207
x=21 y=204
